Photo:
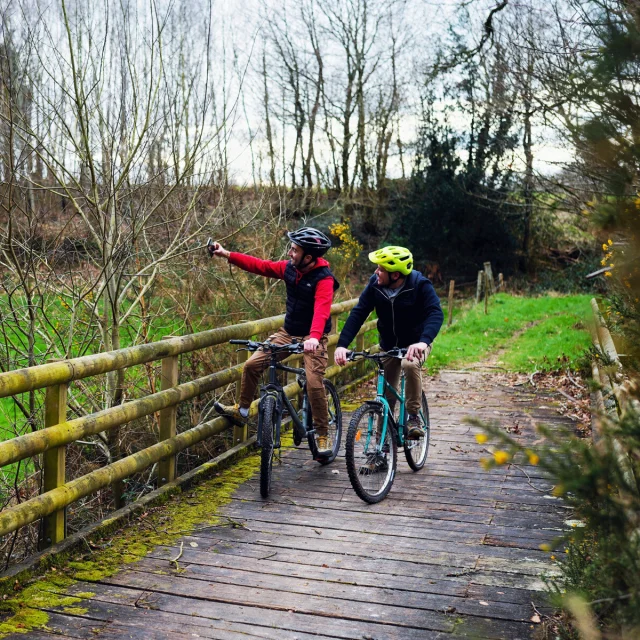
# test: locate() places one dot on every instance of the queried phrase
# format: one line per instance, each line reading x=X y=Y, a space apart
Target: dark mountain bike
x=375 y=433
x=273 y=402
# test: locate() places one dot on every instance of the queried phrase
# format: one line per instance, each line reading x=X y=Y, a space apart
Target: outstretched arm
x=267 y=268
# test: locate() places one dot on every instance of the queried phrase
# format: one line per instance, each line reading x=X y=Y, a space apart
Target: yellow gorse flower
x=350 y=247
x=501 y=457
x=481 y=438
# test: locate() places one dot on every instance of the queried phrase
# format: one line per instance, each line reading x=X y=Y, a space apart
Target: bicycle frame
x=382 y=386
x=274 y=388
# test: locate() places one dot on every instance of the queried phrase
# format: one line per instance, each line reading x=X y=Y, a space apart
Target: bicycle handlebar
x=251 y=345
x=392 y=353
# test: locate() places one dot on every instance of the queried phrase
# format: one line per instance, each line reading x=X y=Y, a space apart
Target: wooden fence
x=613 y=396
x=485 y=286
x=57 y=493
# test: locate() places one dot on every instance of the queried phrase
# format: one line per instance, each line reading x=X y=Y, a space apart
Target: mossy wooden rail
x=57 y=493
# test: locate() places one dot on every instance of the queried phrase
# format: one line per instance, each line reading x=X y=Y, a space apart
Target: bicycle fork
x=375 y=432
x=277 y=417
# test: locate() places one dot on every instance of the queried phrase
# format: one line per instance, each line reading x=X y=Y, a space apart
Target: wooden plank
x=379 y=592
x=352 y=574
x=381 y=534
x=203 y=610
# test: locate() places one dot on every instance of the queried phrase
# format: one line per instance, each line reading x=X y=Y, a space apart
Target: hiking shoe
x=324 y=444
x=231 y=411
x=376 y=463
x=414 y=427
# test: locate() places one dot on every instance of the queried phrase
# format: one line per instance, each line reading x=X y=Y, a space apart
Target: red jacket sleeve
x=321 y=307
x=267 y=268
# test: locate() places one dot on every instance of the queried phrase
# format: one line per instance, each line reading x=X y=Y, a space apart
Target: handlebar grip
x=239 y=341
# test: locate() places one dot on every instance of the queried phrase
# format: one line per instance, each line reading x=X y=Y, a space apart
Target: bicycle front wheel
x=371 y=459
x=416 y=451
x=267 y=439
x=335 y=422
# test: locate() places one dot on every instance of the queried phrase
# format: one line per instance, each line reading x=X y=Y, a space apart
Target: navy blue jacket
x=414 y=315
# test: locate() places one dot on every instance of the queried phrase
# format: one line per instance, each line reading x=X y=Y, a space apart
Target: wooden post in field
x=486 y=293
x=54 y=462
x=479 y=287
x=500 y=282
x=240 y=432
x=489 y=281
x=168 y=416
x=452 y=284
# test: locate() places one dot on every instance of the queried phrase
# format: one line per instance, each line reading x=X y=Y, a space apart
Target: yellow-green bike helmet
x=393 y=259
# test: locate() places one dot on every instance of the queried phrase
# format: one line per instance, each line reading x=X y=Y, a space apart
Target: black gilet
x=301 y=298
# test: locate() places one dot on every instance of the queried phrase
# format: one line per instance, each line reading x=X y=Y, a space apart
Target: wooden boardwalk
x=452 y=552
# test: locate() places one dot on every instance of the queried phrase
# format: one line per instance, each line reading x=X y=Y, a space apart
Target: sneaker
x=324 y=444
x=231 y=411
x=376 y=463
x=414 y=427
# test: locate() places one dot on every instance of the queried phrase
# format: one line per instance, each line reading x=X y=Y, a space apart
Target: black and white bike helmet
x=312 y=241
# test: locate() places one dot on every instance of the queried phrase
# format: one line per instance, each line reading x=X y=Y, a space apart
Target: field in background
x=523 y=334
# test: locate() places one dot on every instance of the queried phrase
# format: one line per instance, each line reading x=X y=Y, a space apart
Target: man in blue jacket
x=409 y=316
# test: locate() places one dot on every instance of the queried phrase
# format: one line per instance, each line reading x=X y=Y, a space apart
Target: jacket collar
x=320 y=262
x=410 y=282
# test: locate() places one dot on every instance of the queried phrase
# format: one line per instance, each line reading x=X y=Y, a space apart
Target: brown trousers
x=315 y=364
x=412 y=385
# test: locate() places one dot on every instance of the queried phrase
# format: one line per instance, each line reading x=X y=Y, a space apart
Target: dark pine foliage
x=458 y=209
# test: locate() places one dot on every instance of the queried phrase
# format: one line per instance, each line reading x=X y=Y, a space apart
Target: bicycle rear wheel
x=416 y=451
x=267 y=440
x=335 y=422
x=371 y=462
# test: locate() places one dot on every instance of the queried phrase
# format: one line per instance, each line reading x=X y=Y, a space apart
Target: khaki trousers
x=315 y=364
x=412 y=385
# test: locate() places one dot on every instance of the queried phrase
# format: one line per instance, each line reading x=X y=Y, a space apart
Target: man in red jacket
x=310 y=288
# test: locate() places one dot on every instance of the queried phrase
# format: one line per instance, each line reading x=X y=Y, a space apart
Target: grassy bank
x=526 y=334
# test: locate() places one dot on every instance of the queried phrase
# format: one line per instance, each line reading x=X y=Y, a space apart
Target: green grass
x=536 y=333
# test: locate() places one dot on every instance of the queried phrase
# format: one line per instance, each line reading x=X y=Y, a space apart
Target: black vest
x=301 y=298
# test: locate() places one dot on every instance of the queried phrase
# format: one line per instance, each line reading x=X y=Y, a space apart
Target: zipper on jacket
x=393 y=309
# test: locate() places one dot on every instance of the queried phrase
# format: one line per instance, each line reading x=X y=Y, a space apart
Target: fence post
x=490 y=283
x=360 y=347
x=479 y=286
x=452 y=284
x=486 y=293
x=169 y=378
x=332 y=349
x=55 y=412
x=240 y=432
x=500 y=282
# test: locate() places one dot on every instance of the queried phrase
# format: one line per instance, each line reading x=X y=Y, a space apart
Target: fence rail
x=615 y=398
x=58 y=432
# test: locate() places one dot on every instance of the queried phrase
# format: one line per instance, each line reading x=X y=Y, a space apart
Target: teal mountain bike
x=377 y=430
